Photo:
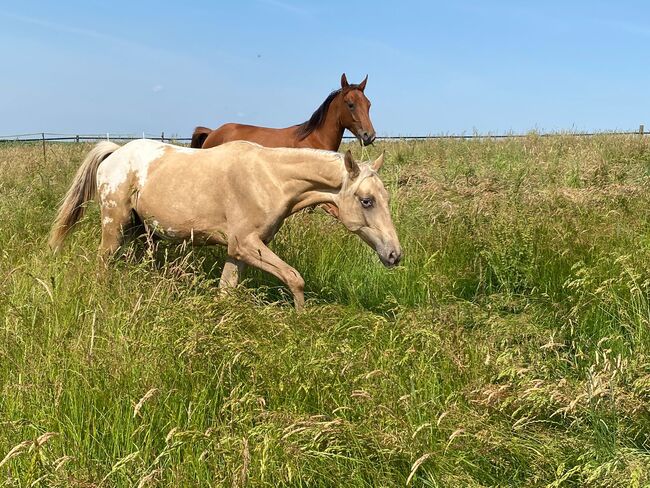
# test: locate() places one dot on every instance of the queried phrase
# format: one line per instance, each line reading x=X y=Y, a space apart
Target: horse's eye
x=351 y=106
x=367 y=202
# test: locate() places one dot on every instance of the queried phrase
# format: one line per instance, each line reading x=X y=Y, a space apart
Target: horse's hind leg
x=116 y=217
x=145 y=237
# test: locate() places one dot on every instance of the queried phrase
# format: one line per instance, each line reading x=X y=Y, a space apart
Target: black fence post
x=162 y=136
x=44 y=155
x=641 y=128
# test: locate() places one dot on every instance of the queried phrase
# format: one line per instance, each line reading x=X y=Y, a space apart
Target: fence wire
x=57 y=137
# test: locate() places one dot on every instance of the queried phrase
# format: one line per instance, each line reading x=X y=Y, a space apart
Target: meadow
x=511 y=347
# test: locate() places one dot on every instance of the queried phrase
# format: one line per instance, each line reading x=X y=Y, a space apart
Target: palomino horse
x=236 y=195
x=345 y=108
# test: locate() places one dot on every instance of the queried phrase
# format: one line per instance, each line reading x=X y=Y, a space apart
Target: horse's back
x=206 y=193
x=202 y=194
x=183 y=166
x=265 y=136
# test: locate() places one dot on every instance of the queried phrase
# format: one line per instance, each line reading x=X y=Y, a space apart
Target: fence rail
x=54 y=137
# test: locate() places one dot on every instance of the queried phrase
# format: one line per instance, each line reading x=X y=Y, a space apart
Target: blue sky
x=434 y=67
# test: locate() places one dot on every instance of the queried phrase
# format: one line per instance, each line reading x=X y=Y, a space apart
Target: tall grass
x=510 y=349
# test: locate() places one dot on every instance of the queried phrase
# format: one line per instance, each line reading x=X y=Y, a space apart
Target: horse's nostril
x=368 y=138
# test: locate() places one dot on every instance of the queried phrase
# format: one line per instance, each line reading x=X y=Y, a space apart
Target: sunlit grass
x=511 y=348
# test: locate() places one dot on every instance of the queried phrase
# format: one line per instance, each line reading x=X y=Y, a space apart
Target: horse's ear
x=344 y=81
x=351 y=165
x=379 y=162
x=362 y=85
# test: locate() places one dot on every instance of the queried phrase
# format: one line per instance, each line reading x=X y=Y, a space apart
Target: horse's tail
x=199 y=136
x=83 y=189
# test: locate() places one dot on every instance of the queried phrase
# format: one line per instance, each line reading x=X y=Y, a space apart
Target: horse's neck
x=329 y=135
x=313 y=181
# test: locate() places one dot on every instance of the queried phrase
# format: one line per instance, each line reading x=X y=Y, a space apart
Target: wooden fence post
x=641 y=130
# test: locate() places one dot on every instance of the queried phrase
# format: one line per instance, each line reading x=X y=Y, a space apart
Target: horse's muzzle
x=391 y=259
x=367 y=138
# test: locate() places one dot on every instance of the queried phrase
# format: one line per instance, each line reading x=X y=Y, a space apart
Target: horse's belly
x=182 y=217
x=171 y=230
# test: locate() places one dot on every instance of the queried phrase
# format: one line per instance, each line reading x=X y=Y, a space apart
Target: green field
x=511 y=348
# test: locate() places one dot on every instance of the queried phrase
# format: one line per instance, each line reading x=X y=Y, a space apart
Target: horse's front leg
x=231 y=273
x=252 y=251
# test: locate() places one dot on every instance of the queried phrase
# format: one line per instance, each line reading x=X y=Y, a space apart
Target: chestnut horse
x=345 y=108
x=236 y=195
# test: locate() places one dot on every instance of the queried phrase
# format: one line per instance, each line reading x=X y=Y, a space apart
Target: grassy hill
x=512 y=348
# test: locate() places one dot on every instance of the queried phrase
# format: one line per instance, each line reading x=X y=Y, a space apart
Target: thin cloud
x=75 y=30
x=625 y=27
x=126 y=43
x=287 y=7
x=157 y=88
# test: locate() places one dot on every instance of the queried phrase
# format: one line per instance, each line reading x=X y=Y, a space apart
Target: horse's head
x=355 y=111
x=363 y=209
